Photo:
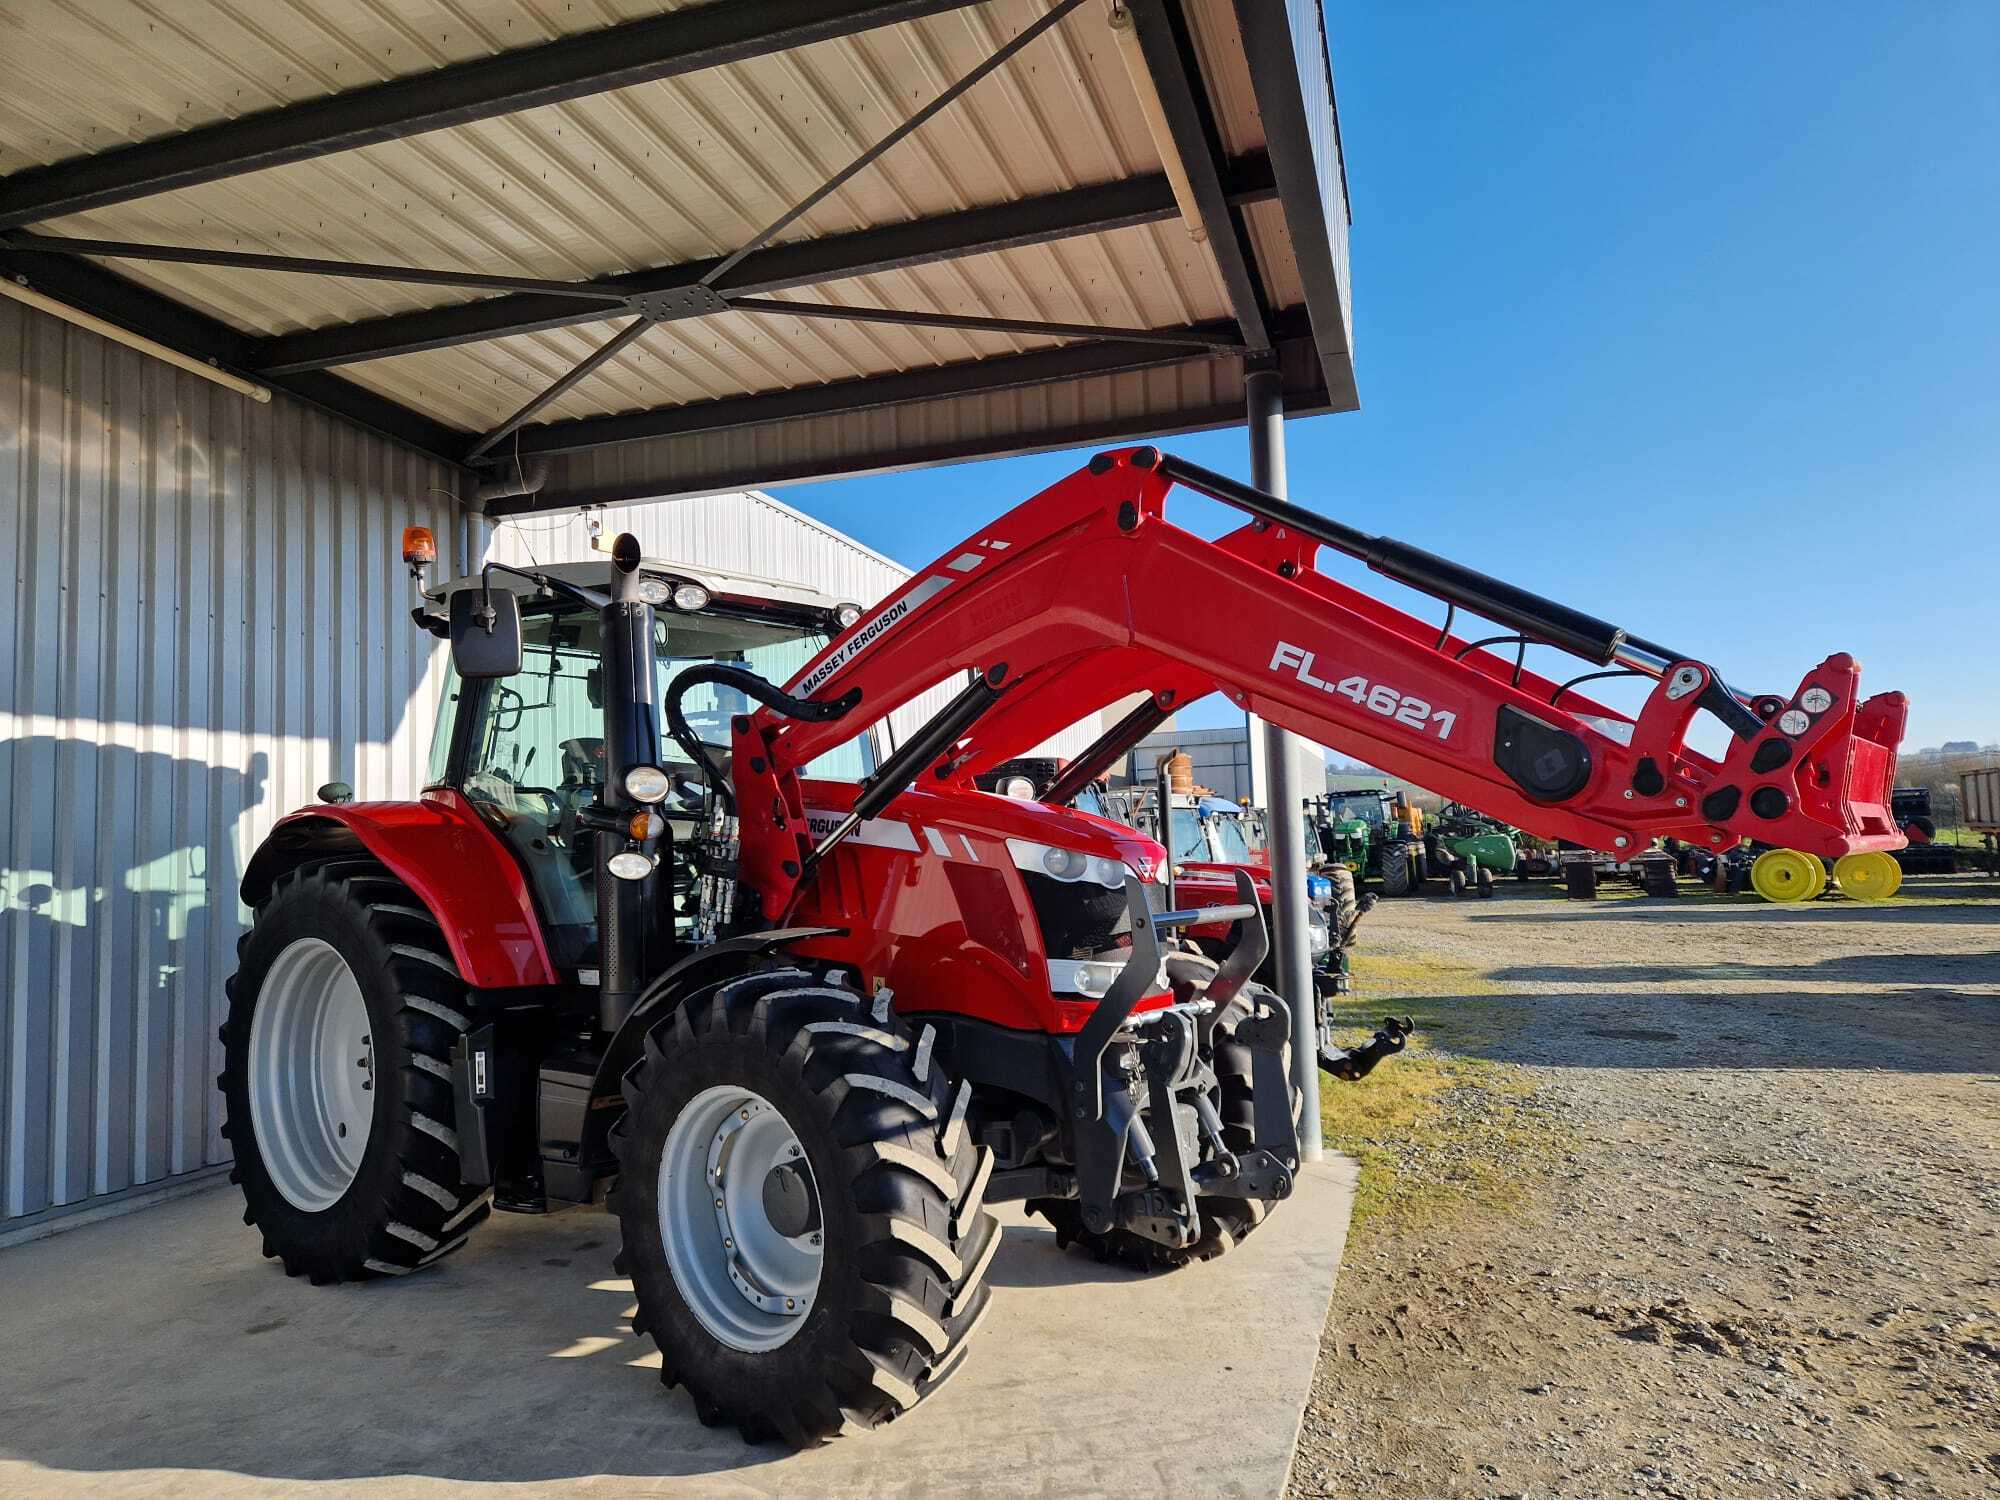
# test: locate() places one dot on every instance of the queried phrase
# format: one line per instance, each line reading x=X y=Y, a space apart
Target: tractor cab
x=529 y=751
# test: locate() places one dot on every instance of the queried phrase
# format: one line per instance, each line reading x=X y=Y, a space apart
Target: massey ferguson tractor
x=663 y=929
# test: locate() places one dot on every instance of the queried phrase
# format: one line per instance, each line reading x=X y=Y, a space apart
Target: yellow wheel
x=1819 y=877
x=1868 y=877
x=1786 y=875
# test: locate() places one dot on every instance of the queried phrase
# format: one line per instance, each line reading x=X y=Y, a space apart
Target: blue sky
x=1688 y=315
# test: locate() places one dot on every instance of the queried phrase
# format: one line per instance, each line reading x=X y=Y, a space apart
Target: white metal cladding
x=205 y=618
x=745 y=533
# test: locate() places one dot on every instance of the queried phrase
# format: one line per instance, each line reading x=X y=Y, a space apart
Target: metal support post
x=1263 y=398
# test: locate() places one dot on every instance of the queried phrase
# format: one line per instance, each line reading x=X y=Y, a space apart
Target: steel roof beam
x=1293 y=80
x=592 y=62
x=303 y=265
x=966 y=377
x=775 y=268
x=833 y=312
x=1170 y=58
x=91 y=287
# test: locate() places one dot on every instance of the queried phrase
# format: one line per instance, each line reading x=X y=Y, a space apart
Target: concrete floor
x=157 y=1354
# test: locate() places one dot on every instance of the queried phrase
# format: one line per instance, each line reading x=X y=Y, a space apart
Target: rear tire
x=1485 y=882
x=1398 y=875
x=897 y=1187
x=326 y=1210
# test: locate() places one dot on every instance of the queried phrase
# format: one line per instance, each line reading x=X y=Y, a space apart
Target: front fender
x=703 y=966
x=443 y=851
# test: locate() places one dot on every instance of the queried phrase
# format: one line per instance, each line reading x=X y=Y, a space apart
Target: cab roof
x=721 y=583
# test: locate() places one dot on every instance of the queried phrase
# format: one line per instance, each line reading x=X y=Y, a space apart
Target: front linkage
x=1183 y=1126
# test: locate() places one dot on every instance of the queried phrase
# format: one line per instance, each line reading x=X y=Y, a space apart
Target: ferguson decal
x=867 y=633
x=1376 y=697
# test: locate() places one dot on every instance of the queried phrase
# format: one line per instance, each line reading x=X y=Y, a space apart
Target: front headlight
x=1020 y=788
x=1066 y=864
x=648 y=784
x=1083 y=977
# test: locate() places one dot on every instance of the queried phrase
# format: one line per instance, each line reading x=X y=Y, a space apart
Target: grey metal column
x=1263 y=399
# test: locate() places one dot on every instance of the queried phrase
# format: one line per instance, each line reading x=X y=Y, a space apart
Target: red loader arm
x=1086 y=593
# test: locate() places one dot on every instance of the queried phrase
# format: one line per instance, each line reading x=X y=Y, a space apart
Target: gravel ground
x=1769 y=1262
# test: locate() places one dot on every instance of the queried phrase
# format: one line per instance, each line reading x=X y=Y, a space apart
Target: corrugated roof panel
x=657 y=174
x=85 y=75
x=1145 y=276
x=1271 y=242
x=651 y=175
x=1218 y=42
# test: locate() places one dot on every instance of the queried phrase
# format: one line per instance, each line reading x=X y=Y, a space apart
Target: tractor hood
x=1204 y=876
x=1001 y=817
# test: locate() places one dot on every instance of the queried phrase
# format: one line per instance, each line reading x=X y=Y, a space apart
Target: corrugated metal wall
x=205 y=618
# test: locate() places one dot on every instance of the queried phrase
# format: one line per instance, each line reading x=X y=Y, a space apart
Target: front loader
x=669 y=928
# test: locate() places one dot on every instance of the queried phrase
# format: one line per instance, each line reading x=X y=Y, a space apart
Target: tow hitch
x=1352 y=1065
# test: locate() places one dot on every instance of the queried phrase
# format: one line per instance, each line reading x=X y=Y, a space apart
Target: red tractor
x=663 y=926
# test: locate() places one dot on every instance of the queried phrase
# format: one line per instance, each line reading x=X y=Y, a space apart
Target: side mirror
x=485 y=633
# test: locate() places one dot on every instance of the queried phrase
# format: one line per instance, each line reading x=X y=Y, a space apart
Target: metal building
x=1231 y=760
x=206 y=619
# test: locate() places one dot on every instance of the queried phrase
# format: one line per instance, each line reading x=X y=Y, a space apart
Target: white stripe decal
x=965 y=562
x=970 y=852
x=866 y=634
x=878 y=833
x=938 y=846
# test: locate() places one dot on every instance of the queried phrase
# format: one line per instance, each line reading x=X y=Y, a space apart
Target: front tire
x=863 y=1145
x=337 y=1078
x=1398 y=874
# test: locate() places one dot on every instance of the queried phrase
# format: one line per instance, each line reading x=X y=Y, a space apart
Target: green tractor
x=1378 y=833
x=1468 y=849
x=1373 y=832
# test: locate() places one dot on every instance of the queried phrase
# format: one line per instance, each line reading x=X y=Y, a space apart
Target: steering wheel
x=549 y=795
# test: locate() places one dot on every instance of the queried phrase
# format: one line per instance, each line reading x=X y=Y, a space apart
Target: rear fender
x=440 y=848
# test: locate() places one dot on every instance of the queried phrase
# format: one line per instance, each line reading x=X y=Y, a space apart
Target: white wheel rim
x=749 y=1284
x=311 y=1075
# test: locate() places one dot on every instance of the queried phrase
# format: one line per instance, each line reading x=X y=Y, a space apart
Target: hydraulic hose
x=750 y=685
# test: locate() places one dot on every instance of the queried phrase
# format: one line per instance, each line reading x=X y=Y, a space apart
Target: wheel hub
x=740 y=1218
x=311 y=1075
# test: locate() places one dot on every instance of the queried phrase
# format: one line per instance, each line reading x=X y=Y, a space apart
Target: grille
x=1078 y=918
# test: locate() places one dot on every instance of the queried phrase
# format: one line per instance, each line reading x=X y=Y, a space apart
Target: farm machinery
x=665 y=930
x=1371 y=831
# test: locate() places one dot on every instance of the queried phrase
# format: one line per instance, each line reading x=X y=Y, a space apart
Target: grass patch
x=1439 y=1131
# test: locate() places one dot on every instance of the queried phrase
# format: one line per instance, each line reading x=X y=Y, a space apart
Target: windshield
x=546 y=724
x=1366 y=807
x=1089 y=801
x=774 y=652
x=1189 y=841
x=1229 y=839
